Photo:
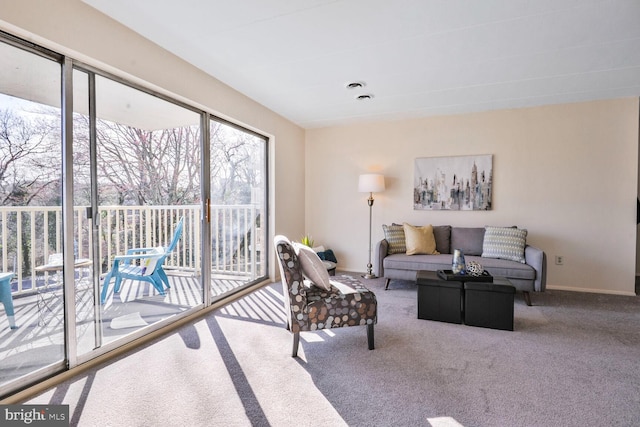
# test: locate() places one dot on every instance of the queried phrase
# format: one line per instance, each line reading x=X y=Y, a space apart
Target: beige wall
x=75 y=29
x=567 y=173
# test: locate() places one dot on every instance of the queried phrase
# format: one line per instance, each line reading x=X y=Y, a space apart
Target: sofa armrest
x=537 y=259
x=380 y=253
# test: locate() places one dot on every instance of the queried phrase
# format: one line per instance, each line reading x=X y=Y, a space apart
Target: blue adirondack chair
x=149 y=269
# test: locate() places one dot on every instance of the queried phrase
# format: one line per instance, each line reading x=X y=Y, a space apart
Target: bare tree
x=163 y=166
x=29 y=159
x=159 y=167
x=236 y=167
x=29 y=170
x=135 y=166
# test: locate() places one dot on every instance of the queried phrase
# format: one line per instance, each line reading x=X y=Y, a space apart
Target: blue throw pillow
x=327 y=255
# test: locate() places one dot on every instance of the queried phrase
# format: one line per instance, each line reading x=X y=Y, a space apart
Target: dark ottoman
x=439 y=299
x=489 y=305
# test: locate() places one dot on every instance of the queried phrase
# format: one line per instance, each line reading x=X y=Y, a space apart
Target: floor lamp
x=370 y=183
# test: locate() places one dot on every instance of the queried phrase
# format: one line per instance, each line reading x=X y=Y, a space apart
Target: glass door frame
x=70 y=357
x=68 y=220
x=53 y=368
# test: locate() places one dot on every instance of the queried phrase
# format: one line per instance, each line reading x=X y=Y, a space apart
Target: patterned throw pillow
x=394 y=235
x=504 y=243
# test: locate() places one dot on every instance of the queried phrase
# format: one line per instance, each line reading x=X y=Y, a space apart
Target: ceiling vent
x=355 y=85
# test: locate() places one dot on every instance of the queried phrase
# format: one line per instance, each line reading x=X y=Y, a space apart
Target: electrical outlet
x=559 y=260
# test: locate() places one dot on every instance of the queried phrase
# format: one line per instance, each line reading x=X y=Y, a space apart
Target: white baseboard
x=591 y=290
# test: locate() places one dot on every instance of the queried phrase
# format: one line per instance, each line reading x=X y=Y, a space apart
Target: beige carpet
x=571 y=361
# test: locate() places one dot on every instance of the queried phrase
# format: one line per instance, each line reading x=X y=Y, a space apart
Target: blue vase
x=458 y=266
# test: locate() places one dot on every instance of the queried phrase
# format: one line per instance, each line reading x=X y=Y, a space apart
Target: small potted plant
x=307 y=240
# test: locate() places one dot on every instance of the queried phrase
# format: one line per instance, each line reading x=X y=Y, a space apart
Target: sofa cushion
x=417 y=262
x=442 y=234
x=394 y=235
x=506 y=268
x=312 y=266
x=420 y=240
x=504 y=243
x=496 y=267
x=468 y=239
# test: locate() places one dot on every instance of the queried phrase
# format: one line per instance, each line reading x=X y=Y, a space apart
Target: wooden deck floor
x=39 y=338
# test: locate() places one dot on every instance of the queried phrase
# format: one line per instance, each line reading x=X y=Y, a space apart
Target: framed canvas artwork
x=457 y=183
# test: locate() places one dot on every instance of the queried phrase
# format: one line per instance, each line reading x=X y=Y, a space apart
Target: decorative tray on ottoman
x=449 y=275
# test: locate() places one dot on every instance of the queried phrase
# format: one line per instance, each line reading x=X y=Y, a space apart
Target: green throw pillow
x=394 y=235
x=504 y=243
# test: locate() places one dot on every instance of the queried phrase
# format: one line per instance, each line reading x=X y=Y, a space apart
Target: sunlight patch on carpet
x=444 y=422
x=311 y=337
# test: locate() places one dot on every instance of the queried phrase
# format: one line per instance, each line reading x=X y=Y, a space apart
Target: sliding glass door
x=32 y=323
x=117 y=204
x=138 y=203
x=238 y=207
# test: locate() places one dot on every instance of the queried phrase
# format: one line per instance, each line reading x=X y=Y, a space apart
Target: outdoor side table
x=56 y=267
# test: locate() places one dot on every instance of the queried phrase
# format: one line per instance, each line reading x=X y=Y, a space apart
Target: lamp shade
x=371 y=183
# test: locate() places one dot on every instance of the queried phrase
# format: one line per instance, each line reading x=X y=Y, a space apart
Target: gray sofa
x=528 y=277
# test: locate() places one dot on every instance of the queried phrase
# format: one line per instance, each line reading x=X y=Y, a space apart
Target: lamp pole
x=370 y=183
x=370 y=274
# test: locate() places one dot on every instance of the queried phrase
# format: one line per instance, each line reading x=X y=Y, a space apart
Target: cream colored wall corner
x=75 y=29
x=567 y=173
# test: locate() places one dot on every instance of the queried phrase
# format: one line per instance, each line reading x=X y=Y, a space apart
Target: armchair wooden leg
x=527 y=297
x=296 y=342
x=386 y=284
x=370 y=336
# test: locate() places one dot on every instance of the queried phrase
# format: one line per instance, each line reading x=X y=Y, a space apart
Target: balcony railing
x=29 y=235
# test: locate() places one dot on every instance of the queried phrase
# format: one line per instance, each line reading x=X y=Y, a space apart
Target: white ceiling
x=417 y=57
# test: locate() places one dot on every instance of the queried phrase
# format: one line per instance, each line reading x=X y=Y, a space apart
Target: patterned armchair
x=310 y=308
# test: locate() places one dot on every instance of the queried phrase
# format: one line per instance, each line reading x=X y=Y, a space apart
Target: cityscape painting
x=459 y=183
